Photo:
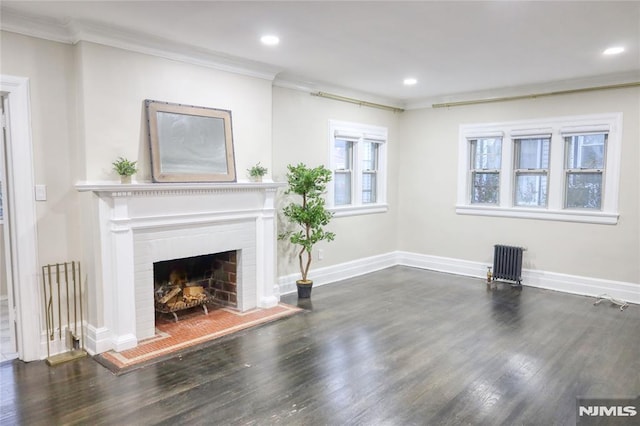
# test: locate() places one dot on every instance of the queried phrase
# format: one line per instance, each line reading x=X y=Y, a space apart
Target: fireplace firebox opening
x=209 y=279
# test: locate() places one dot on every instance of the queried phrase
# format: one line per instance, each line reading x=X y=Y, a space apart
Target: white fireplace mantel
x=141 y=223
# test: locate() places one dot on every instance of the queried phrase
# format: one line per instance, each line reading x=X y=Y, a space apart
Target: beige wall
x=87 y=109
x=428 y=185
x=114 y=84
x=3 y=270
x=301 y=134
x=49 y=67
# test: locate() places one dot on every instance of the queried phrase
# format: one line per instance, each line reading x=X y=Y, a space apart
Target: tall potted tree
x=309 y=216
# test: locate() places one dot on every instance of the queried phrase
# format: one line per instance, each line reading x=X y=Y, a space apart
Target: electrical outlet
x=320 y=254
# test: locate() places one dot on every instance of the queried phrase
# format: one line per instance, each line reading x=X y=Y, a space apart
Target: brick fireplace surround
x=136 y=225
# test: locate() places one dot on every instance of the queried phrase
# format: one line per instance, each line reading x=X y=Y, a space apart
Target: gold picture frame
x=190 y=143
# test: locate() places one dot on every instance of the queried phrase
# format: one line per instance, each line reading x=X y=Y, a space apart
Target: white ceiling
x=451 y=47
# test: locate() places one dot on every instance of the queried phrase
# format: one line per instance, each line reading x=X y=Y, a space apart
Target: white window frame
x=473 y=171
x=540 y=172
x=582 y=170
x=557 y=127
x=359 y=133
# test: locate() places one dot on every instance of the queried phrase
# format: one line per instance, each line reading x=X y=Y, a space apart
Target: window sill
x=343 y=211
x=597 y=217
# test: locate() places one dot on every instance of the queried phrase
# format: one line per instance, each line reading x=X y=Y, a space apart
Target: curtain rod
x=357 y=101
x=535 y=95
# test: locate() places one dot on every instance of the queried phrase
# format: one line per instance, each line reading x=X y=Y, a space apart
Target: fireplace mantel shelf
x=114 y=188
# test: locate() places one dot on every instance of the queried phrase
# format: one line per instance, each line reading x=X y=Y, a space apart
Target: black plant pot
x=304 y=289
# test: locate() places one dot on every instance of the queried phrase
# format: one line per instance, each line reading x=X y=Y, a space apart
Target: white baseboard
x=101 y=339
x=98 y=340
x=442 y=264
x=55 y=346
x=585 y=286
x=57 y=343
x=565 y=283
x=342 y=271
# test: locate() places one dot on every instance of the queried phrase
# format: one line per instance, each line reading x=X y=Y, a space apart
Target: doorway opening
x=22 y=221
x=8 y=347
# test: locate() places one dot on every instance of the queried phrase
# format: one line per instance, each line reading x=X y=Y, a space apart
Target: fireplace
x=140 y=225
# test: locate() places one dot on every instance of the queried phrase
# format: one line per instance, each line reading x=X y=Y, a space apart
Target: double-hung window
x=584 y=170
x=343 y=170
x=564 y=168
x=358 y=162
x=486 y=157
x=531 y=170
x=369 y=170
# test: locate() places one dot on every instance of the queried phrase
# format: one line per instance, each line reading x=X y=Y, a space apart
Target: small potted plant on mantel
x=310 y=215
x=125 y=169
x=257 y=172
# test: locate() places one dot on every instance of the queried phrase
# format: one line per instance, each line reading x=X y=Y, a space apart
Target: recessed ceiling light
x=613 y=50
x=410 y=81
x=270 y=40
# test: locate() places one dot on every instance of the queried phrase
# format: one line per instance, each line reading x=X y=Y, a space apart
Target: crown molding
x=289 y=82
x=74 y=31
x=528 y=90
x=34 y=26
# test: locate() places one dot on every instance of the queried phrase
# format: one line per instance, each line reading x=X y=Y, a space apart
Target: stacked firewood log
x=194 y=293
x=179 y=297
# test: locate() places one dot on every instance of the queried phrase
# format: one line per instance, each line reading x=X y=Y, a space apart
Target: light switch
x=41 y=192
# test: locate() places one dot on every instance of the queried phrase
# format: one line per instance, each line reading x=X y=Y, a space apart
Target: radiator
x=507 y=263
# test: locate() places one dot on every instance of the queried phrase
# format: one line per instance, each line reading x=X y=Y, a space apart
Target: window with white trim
x=486 y=155
x=564 y=168
x=358 y=162
x=584 y=170
x=531 y=170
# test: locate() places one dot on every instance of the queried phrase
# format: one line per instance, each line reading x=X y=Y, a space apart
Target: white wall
x=301 y=134
x=428 y=184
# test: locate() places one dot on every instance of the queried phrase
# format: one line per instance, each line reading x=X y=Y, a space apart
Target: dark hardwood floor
x=401 y=346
